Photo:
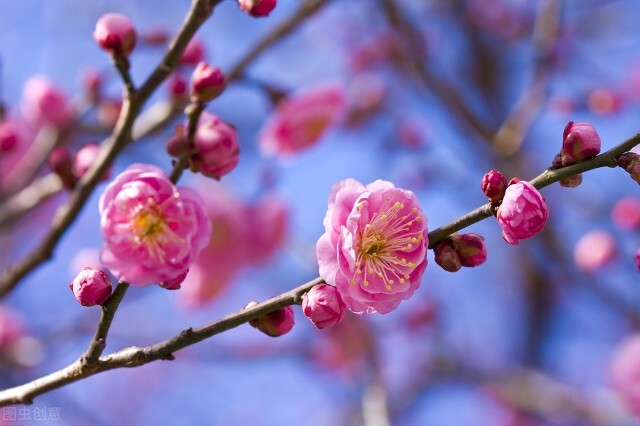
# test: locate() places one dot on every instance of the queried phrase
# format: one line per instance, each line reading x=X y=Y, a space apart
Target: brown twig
x=40 y=190
x=135 y=357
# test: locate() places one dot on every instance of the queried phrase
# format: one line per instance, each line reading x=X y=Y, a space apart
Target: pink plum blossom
x=374 y=246
x=91 y=287
x=153 y=231
x=300 y=121
x=625 y=372
x=626 y=213
x=323 y=306
x=45 y=104
x=115 y=33
x=216 y=147
x=594 y=250
x=523 y=212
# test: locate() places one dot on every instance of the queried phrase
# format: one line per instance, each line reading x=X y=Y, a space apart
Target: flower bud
x=85 y=158
x=638 y=259
x=470 y=249
x=631 y=163
x=91 y=287
x=207 y=83
x=45 y=104
x=257 y=8
x=446 y=257
x=9 y=137
x=571 y=181
x=216 y=147
x=62 y=165
x=115 y=34
x=323 y=306
x=177 y=86
x=175 y=283
x=275 y=323
x=193 y=53
x=580 y=142
x=178 y=144
x=493 y=185
x=523 y=212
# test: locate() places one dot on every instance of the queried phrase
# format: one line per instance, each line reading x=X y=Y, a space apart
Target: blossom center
x=381 y=243
x=148 y=223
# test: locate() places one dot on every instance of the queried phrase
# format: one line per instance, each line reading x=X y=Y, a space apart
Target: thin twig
x=134 y=356
x=40 y=190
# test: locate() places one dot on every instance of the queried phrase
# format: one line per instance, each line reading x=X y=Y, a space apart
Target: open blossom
x=300 y=121
x=523 y=212
x=153 y=231
x=594 y=250
x=625 y=372
x=44 y=103
x=374 y=246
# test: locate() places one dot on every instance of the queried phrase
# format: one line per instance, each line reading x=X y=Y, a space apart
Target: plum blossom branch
x=135 y=356
x=546 y=178
x=193 y=112
x=39 y=191
x=132 y=105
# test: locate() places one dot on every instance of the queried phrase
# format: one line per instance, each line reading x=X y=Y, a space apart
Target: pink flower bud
x=626 y=213
x=9 y=137
x=207 y=83
x=523 y=212
x=85 y=158
x=257 y=8
x=493 y=185
x=580 y=142
x=178 y=144
x=594 y=251
x=638 y=259
x=446 y=257
x=62 y=165
x=572 y=181
x=194 y=52
x=216 y=147
x=115 y=34
x=631 y=163
x=177 y=86
x=43 y=103
x=323 y=306
x=625 y=372
x=470 y=249
x=91 y=287
x=276 y=323
x=175 y=283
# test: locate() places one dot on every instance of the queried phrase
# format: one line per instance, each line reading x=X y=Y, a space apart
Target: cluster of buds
x=71 y=169
x=456 y=251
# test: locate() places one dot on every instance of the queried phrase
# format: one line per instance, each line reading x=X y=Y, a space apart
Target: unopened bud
x=275 y=323
x=85 y=158
x=631 y=163
x=580 y=142
x=91 y=287
x=207 y=83
x=178 y=144
x=62 y=165
x=193 y=53
x=571 y=181
x=470 y=249
x=493 y=185
x=115 y=34
x=257 y=8
x=323 y=306
x=446 y=257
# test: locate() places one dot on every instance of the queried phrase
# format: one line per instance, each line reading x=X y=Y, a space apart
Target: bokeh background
x=439 y=92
